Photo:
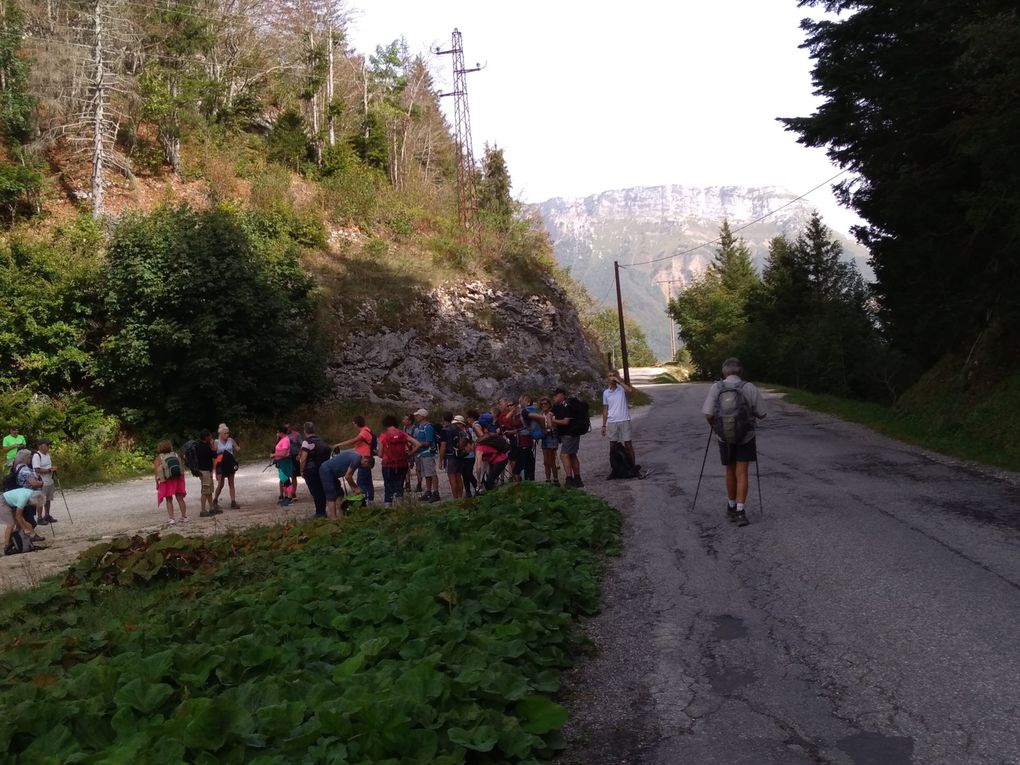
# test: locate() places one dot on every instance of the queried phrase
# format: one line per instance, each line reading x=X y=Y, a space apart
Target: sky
x=586 y=97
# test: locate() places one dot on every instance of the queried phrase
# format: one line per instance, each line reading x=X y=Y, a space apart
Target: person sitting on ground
x=333 y=472
x=12 y=509
x=362 y=443
x=169 y=471
x=315 y=452
x=731 y=407
x=395 y=447
x=616 y=415
x=12 y=444
x=449 y=459
x=284 y=465
x=226 y=465
x=42 y=466
x=205 y=456
x=424 y=457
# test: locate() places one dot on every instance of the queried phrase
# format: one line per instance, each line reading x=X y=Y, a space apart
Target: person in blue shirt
x=340 y=467
x=425 y=456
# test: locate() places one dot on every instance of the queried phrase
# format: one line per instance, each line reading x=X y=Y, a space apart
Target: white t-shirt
x=40 y=460
x=616 y=400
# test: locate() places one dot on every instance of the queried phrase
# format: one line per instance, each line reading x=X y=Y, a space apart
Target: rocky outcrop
x=464 y=344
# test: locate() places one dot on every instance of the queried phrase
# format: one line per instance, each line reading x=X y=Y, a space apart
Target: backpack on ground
x=732 y=419
x=190 y=452
x=620 y=463
x=580 y=413
x=170 y=466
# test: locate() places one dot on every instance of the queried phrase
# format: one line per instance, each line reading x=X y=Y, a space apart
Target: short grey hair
x=732 y=366
x=22 y=453
x=38 y=499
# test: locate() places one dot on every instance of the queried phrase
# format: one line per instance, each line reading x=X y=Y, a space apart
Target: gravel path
x=869 y=617
x=103 y=512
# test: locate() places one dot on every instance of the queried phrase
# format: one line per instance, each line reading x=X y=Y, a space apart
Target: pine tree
x=732 y=263
x=495 y=205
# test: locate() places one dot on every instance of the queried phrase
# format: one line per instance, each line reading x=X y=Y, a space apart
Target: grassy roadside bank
x=951 y=427
x=427 y=636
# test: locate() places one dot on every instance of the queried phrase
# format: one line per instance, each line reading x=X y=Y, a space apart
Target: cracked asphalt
x=869 y=617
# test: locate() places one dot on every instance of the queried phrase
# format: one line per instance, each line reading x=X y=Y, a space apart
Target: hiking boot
x=216 y=511
x=731 y=513
x=741 y=518
x=578 y=483
x=11 y=549
x=51 y=519
x=234 y=505
x=37 y=538
x=215 y=504
x=43 y=521
x=206 y=514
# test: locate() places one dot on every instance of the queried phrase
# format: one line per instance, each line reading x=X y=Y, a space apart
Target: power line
x=741 y=228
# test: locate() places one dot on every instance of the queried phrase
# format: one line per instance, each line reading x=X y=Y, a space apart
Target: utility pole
x=623 y=331
x=462 y=127
x=672 y=325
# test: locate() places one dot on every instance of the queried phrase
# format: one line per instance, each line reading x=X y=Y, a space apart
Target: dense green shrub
x=431 y=637
x=205 y=320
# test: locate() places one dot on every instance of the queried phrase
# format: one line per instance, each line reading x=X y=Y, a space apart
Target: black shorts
x=730 y=455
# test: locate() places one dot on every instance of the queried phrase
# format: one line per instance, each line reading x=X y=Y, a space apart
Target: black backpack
x=190 y=452
x=318 y=454
x=11 y=479
x=620 y=464
x=580 y=414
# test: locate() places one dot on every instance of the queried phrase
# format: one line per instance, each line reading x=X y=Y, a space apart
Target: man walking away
x=616 y=415
x=43 y=466
x=731 y=408
x=571 y=419
x=424 y=458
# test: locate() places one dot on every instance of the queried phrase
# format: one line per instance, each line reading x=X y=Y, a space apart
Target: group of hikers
x=475 y=450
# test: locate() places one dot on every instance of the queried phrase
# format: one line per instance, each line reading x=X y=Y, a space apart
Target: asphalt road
x=869 y=617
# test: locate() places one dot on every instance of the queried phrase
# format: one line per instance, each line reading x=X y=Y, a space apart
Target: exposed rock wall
x=465 y=344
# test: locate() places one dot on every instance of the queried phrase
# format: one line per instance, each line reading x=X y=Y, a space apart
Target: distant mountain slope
x=638 y=224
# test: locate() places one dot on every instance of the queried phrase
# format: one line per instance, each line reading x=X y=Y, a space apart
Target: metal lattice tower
x=466 y=211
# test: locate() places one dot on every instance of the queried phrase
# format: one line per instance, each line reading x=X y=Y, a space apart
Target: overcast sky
x=589 y=96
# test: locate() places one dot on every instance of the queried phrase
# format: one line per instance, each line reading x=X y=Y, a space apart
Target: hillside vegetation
x=200 y=206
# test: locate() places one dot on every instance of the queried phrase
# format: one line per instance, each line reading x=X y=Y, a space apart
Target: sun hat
x=421 y=413
x=460 y=418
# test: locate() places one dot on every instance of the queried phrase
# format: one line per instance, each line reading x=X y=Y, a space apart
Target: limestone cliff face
x=637 y=224
x=464 y=344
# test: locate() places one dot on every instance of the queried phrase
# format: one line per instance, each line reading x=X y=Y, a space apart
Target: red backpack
x=393 y=449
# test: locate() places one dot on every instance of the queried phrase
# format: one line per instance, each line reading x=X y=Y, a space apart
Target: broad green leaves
x=430 y=638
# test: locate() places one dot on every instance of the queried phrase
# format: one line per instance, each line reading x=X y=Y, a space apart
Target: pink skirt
x=170 y=488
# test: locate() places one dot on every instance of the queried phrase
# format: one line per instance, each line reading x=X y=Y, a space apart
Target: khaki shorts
x=47 y=491
x=6 y=514
x=569 y=444
x=619 y=431
x=425 y=465
x=205 y=476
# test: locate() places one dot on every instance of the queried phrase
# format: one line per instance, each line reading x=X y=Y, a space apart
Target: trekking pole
x=703 y=461
x=757 y=474
x=63 y=497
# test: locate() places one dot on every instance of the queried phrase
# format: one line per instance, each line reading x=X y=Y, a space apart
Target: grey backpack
x=733 y=418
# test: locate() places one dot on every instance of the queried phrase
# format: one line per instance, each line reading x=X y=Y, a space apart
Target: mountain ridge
x=674 y=226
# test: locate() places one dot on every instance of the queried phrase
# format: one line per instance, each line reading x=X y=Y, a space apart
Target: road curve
x=869 y=616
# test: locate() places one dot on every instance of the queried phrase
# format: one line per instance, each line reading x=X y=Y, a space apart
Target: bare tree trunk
x=315 y=108
x=329 y=89
x=98 y=115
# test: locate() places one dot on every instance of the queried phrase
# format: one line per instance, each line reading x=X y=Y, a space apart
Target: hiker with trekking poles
x=732 y=409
